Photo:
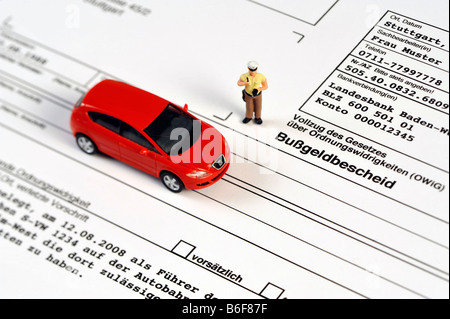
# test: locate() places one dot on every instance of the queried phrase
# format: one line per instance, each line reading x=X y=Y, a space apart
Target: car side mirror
x=185 y=107
x=144 y=151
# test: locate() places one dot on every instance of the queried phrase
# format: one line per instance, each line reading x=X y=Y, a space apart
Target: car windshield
x=174 y=131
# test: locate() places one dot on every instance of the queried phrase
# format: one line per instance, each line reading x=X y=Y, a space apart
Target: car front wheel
x=86 y=144
x=172 y=182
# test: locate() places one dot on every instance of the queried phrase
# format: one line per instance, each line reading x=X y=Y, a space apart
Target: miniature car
x=151 y=134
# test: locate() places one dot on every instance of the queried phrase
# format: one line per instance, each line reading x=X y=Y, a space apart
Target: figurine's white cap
x=252 y=65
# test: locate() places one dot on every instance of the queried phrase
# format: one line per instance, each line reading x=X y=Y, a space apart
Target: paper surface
x=342 y=192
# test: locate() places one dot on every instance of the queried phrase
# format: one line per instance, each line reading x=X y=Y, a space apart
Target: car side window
x=133 y=135
x=109 y=122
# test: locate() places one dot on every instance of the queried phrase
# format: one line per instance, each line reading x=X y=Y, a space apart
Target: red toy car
x=151 y=134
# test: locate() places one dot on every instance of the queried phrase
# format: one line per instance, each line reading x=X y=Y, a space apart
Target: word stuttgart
x=334 y=160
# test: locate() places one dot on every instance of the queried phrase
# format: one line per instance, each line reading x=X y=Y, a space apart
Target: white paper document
x=341 y=192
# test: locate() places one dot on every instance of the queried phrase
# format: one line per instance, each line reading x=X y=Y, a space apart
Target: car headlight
x=198 y=174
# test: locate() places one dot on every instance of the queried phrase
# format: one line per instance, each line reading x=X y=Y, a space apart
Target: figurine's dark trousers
x=253 y=104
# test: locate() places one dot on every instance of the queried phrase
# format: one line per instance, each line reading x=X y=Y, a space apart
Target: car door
x=136 y=150
x=105 y=133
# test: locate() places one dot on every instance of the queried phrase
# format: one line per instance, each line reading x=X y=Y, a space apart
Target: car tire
x=172 y=182
x=86 y=144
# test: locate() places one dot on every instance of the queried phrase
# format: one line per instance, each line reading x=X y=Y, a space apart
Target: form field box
x=307 y=11
x=271 y=291
x=183 y=249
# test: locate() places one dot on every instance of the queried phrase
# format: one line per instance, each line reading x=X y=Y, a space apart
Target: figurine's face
x=252 y=72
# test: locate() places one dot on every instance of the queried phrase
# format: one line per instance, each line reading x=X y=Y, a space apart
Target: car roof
x=130 y=104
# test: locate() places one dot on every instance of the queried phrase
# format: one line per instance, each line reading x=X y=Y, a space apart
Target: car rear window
x=109 y=122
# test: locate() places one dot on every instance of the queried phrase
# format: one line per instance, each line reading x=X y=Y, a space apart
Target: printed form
x=342 y=192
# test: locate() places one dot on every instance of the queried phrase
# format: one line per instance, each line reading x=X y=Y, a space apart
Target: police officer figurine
x=254 y=83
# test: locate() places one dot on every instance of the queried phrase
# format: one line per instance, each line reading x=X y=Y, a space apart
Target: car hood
x=208 y=153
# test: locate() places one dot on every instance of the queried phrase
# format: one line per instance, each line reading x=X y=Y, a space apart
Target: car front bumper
x=196 y=183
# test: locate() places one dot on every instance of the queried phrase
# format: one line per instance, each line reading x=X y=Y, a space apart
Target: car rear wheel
x=172 y=182
x=86 y=144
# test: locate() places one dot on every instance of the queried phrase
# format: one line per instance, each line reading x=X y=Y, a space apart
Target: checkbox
x=271 y=291
x=183 y=249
